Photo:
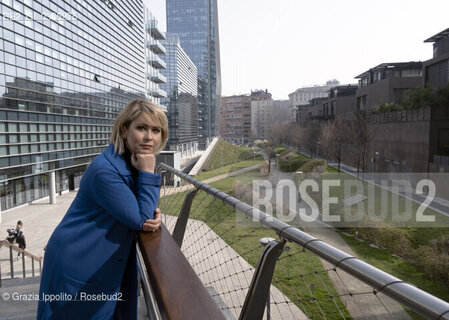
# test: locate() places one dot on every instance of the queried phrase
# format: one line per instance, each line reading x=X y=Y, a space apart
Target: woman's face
x=143 y=135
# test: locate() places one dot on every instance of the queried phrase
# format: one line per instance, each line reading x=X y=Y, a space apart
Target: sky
x=283 y=45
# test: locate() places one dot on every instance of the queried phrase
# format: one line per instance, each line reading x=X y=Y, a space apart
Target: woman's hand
x=152 y=225
x=143 y=161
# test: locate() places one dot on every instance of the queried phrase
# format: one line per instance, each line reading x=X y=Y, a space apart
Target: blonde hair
x=130 y=113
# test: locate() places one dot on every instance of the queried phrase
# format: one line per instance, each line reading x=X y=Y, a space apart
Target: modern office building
x=196 y=23
x=67 y=68
x=182 y=98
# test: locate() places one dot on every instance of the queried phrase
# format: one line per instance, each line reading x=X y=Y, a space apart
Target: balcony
x=157 y=93
x=154 y=30
x=156 y=46
x=156 y=62
x=157 y=77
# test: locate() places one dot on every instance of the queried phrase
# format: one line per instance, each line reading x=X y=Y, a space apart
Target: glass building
x=196 y=23
x=182 y=101
x=67 y=68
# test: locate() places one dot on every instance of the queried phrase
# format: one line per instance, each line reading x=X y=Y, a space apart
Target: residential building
x=196 y=24
x=280 y=112
x=340 y=102
x=235 y=119
x=436 y=70
x=182 y=99
x=302 y=96
x=387 y=82
x=62 y=84
x=436 y=75
x=261 y=114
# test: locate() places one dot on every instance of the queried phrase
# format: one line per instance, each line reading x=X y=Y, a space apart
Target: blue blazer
x=91 y=253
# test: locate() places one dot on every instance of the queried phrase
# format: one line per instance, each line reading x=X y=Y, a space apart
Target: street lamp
x=373 y=163
x=264 y=242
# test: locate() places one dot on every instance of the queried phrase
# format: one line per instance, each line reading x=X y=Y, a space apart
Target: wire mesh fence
x=224 y=245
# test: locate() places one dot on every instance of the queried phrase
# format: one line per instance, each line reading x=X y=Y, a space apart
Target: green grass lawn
x=225 y=153
x=226 y=169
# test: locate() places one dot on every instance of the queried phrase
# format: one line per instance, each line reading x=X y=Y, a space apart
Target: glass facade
x=182 y=101
x=196 y=23
x=67 y=68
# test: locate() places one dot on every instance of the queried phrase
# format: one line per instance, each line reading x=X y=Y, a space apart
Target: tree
x=360 y=137
x=309 y=137
x=269 y=149
x=333 y=138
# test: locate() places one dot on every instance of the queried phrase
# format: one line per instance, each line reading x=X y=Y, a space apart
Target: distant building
x=196 y=24
x=436 y=70
x=302 y=96
x=261 y=114
x=340 y=102
x=387 y=82
x=235 y=119
x=280 y=112
x=182 y=98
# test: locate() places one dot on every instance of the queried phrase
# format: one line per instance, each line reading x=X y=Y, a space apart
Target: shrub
x=429 y=261
x=394 y=240
x=386 y=107
x=317 y=166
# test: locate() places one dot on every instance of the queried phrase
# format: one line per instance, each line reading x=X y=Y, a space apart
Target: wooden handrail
x=178 y=289
x=15 y=248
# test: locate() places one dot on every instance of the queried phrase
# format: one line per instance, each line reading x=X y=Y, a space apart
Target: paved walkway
x=40 y=219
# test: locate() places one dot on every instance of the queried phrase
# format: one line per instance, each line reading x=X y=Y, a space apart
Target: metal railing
x=13 y=248
x=297 y=276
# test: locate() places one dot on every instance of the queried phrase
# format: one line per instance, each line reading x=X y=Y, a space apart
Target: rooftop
x=392 y=65
x=438 y=36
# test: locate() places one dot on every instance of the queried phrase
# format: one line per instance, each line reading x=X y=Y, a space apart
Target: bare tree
x=333 y=138
x=310 y=137
x=360 y=136
x=269 y=149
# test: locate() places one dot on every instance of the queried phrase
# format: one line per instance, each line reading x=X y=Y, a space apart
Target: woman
x=91 y=254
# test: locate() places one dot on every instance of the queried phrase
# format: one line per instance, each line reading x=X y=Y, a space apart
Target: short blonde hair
x=130 y=113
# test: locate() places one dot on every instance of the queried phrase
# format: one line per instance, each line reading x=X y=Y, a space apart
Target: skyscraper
x=196 y=23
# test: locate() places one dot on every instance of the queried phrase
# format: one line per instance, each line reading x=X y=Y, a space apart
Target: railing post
x=258 y=291
x=181 y=223
x=11 y=263
x=32 y=265
x=23 y=264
